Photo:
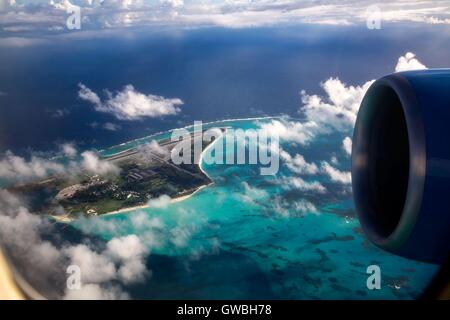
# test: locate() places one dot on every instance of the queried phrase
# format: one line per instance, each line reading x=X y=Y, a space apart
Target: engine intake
x=401 y=164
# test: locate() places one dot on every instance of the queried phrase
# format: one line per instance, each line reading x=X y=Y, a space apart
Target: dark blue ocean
x=218 y=73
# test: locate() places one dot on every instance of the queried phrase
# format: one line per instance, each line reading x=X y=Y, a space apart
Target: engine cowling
x=401 y=164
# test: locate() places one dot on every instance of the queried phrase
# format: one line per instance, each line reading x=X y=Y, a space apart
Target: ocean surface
x=225 y=242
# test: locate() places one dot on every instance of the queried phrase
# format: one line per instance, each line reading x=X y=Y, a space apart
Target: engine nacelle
x=401 y=164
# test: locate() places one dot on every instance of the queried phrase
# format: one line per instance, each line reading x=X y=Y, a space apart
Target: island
x=144 y=172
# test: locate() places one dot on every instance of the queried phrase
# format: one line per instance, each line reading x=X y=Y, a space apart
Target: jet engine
x=401 y=164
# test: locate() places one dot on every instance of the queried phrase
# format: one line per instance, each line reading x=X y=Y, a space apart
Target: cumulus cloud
x=123 y=260
x=298 y=163
x=338 y=109
x=347 y=145
x=130 y=252
x=15 y=168
x=292 y=131
x=409 y=62
x=305 y=206
x=95 y=267
x=93 y=164
x=148 y=150
x=87 y=94
x=252 y=194
x=335 y=174
x=18 y=168
x=130 y=104
x=161 y=202
x=302 y=185
x=69 y=150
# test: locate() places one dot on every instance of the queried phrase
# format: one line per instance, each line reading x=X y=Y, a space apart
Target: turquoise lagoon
x=246 y=236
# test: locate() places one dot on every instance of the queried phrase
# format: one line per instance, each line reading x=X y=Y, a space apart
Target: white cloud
x=292 y=131
x=95 y=267
x=347 y=145
x=300 y=184
x=338 y=110
x=161 y=202
x=335 y=174
x=69 y=150
x=130 y=252
x=149 y=149
x=17 y=168
x=409 y=62
x=305 y=207
x=87 y=94
x=253 y=192
x=93 y=164
x=123 y=260
x=298 y=163
x=129 y=104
